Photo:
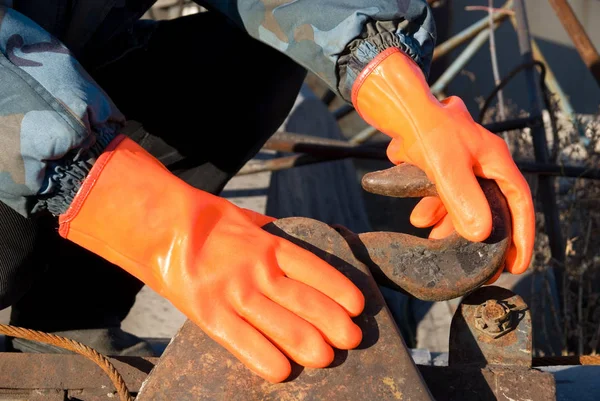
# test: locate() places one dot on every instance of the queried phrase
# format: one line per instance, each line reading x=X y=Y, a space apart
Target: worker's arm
x=336 y=39
x=258 y=295
x=54 y=120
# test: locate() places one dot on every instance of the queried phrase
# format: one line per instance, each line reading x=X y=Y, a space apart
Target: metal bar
x=338 y=152
x=343 y=111
x=496 y=127
x=547 y=169
x=363 y=135
x=468 y=33
x=281 y=163
x=318 y=153
x=68 y=371
x=328 y=97
x=517 y=123
x=546 y=190
x=285 y=141
x=555 y=88
x=579 y=37
x=461 y=61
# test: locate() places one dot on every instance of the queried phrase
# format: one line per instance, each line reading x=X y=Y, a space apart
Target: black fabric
x=208 y=106
x=204 y=108
x=21 y=253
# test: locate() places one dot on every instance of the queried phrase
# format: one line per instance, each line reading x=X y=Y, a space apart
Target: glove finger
x=513 y=264
x=395 y=151
x=464 y=200
x=500 y=167
x=442 y=229
x=321 y=311
x=429 y=211
x=257 y=218
x=295 y=337
x=496 y=276
x=458 y=107
x=302 y=265
x=248 y=345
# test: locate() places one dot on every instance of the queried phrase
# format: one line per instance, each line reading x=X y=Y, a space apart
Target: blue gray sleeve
x=336 y=39
x=54 y=119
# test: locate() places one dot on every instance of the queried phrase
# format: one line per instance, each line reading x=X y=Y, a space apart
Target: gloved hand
x=260 y=296
x=441 y=138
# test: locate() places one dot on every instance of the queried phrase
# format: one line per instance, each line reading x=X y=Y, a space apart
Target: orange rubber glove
x=258 y=295
x=441 y=138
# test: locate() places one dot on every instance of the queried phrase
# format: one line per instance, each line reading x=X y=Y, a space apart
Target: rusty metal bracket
x=470 y=345
x=490 y=367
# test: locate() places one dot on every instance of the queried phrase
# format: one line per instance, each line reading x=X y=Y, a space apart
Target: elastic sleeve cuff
x=361 y=52
x=65 y=178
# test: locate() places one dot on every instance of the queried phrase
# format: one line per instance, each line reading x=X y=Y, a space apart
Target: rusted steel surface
x=194 y=367
x=475 y=342
x=24 y=371
x=98 y=394
x=35 y=395
x=431 y=270
x=489 y=384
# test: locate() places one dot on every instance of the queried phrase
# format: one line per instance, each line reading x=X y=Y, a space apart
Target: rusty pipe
x=578 y=36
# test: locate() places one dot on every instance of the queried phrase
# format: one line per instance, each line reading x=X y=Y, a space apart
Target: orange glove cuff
x=116 y=204
x=392 y=92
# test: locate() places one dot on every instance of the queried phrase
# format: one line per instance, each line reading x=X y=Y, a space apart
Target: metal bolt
x=493 y=318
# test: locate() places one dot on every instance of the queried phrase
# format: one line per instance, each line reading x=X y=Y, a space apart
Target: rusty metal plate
x=194 y=367
x=21 y=371
x=58 y=377
x=489 y=384
x=33 y=395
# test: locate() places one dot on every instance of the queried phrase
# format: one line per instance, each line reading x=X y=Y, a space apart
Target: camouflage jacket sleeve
x=54 y=119
x=336 y=39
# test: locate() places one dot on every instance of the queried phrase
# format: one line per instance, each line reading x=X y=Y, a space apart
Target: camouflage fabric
x=335 y=39
x=55 y=120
